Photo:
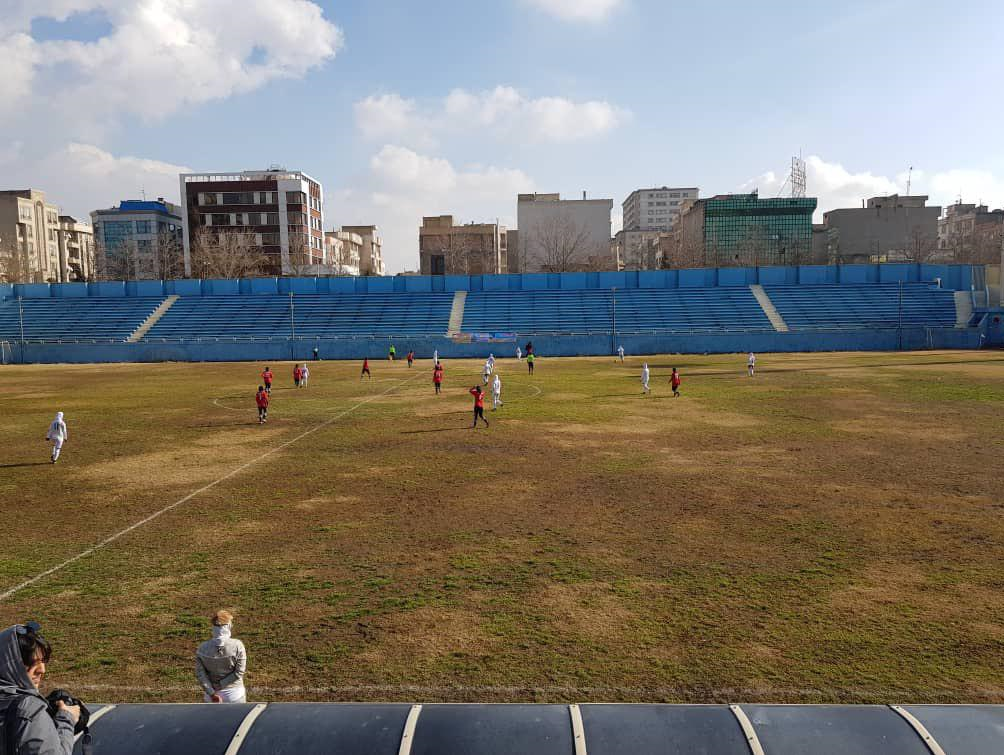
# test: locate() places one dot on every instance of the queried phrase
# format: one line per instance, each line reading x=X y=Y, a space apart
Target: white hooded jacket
x=57 y=429
x=220 y=662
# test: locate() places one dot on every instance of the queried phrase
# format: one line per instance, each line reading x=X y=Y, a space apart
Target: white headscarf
x=59 y=416
x=221 y=634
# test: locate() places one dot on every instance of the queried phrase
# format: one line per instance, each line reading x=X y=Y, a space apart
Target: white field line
x=146 y=520
x=641 y=693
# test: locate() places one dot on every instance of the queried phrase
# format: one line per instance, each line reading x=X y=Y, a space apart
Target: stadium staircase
x=769 y=309
x=152 y=319
x=457 y=313
x=963 y=309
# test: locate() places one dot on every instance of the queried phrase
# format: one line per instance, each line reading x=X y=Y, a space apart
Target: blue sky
x=403 y=108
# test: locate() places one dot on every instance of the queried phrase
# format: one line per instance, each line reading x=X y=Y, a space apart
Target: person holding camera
x=220 y=663
x=29 y=723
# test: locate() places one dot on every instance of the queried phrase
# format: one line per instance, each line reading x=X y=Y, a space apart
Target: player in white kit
x=496 y=392
x=751 y=363
x=57 y=435
x=644 y=378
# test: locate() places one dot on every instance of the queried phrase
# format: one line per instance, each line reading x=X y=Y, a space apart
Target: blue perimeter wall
x=571 y=345
x=955 y=277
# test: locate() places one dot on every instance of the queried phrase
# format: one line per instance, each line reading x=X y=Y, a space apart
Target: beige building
x=561 y=235
x=971 y=233
x=472 y=249
x=29 y=236
x=76 y=249
x=342 y=252
x=371 y=254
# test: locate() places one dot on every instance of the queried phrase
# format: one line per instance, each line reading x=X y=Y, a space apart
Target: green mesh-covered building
x=747 y=230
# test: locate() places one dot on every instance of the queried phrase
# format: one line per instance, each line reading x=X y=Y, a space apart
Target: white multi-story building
x=283 y=209
x=76 y=249
x=559 y=235
x=647 y=214
x=655 y=209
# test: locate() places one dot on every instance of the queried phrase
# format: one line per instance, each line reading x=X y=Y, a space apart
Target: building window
x=221 y=218
x=143 y=226
x=674 y=195
x=271 y=218
x=209 y=198
x=295 y=197
x=238 y=197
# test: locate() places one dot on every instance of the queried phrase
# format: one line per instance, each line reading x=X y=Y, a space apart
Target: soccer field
x=830 y=530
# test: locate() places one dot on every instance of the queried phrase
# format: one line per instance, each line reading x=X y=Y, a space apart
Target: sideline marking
x=921 y=730
x=112 y=538
x=751 y=738
x=578 y=730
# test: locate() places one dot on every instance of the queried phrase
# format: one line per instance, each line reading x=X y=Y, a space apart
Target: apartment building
x=655 y=209
x=890 y=228
x=971 y=233
x=279 y=211
x=76 y=249
x=446 y=248
x=560 y=235
x=371 y=255
x=140 y=239
x=343 y=251
x=29 y=236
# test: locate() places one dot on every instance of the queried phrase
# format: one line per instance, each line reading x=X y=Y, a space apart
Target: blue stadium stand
x=873 y=305
x=314 y=315
x=637 y=310
x=83 y=319
x=593 y=729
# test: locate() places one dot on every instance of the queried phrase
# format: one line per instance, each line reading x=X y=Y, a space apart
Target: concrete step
x=152 y=319
x=768 y=309
x=963 y=308
x=457 y=313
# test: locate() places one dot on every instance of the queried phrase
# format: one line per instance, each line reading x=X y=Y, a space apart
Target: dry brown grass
x=829 y=531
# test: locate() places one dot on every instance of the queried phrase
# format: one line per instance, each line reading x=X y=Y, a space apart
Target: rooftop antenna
x=142 y=191
x=909 y=180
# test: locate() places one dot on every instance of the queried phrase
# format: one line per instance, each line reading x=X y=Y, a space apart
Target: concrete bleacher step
x=769 y=309
x=457 y=313
x=152 y=319
x=963 y=309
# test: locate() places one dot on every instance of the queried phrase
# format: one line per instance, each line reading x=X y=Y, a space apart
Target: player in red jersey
x=479 y=405
x=437 y=377
x=261 y=399
x=674 y=382
x=266 y=377
x=297 y=374
x=366 y=369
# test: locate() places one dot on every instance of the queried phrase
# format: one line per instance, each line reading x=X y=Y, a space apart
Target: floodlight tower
x=797 y=177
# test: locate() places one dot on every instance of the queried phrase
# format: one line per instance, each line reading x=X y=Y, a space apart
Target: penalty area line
x=146 y=520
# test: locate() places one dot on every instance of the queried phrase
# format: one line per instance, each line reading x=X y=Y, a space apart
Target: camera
x=58 y=695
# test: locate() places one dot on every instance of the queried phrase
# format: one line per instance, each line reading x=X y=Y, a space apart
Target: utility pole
x=613 y=321
x=292 y=329
x=901 y=315
x=20 y=321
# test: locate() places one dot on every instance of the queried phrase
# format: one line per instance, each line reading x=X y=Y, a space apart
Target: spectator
x=24 y=654
x=220 y=663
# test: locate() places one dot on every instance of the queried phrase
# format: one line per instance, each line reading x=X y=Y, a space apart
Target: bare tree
x=558 y=244
x=226 y=254
x=15 y=267
x=684 y=253
x=120 y=262
x=169 y=256
x=301 y=258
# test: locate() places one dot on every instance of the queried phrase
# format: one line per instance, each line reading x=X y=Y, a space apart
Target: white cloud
x=20 y=55
x=402 y=186
x=503 y=111
x=836 y=187
x=162 y=55
x=578 y=10
x=82 y=177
